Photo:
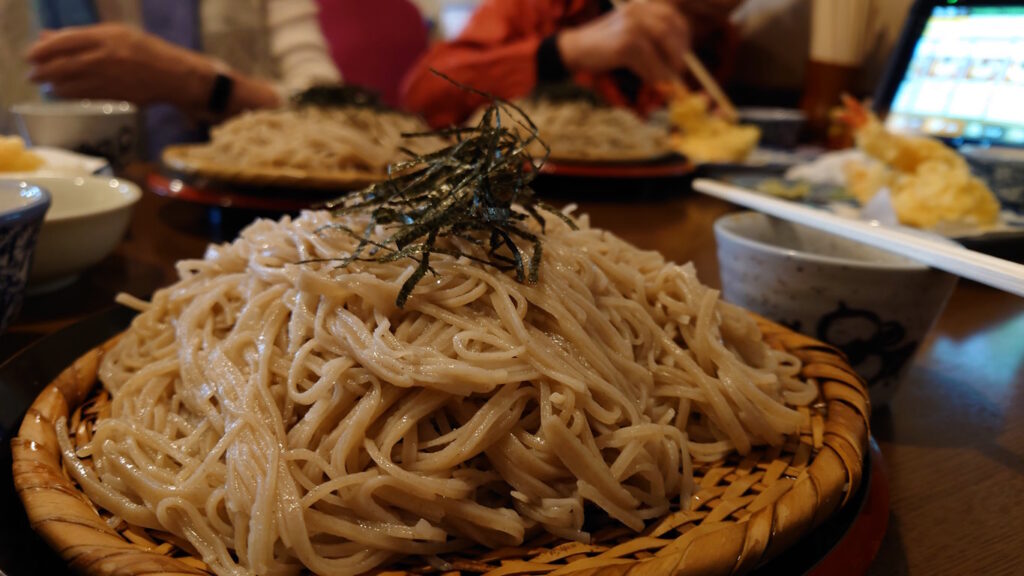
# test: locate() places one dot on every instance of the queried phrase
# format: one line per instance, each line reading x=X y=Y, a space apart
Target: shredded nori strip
x=339 y=96
x=477 y=189
x=566 y=92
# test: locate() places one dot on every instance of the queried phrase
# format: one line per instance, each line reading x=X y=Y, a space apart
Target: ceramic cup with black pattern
x=873 y=305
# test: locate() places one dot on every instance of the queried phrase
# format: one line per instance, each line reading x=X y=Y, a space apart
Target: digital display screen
x=965 y=78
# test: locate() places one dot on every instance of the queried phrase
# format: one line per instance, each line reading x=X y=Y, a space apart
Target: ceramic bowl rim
x=134 y=194
x=995 y=155
x=35 y=210
x=771 y=114
x=723 y=229
x=80 y=108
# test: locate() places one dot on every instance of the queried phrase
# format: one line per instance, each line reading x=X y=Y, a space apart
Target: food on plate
x=704 y=137
x=929 y=182
x=318 y=134
x=576 y=126
x=584 y=131
x=14 y=157
x=784 y=189
x=314 y=139
x=439 y=361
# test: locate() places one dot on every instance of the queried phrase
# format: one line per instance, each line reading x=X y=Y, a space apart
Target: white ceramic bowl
x=107 y=128
x=87 y=218
x=873 y=305
x=21 y=211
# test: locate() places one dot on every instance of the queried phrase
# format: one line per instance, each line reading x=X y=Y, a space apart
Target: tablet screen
x=965 y=78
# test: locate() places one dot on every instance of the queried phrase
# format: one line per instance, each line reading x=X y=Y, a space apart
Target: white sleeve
x=17 y=32
x=298 y=46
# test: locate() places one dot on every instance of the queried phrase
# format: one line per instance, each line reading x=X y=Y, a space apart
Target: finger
x=80 y=88
x=67 y=67
x=670 y=33
x=648 y=63
x=63 y=42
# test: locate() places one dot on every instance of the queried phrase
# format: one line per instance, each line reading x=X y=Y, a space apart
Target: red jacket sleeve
x=496 y=53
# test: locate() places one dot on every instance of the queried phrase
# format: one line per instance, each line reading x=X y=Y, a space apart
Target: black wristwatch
x=550 y=66
x=220 y=94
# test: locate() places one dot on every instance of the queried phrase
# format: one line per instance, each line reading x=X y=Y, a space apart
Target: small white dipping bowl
x=107 y=128
x=88 y=216
x=873 y=305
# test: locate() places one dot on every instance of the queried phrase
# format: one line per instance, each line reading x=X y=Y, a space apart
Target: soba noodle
x=316 y=139
x=579 y=130
x=279 y=413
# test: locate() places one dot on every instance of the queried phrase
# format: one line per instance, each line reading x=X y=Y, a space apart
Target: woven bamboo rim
x=182 y=159
x=744 y=512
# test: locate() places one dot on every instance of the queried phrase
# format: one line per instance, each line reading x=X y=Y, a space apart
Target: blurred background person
x=369 y=54
x=187 y=62
x=809 y=52
x=510 y=46
x=16 y=32
x=773 y=46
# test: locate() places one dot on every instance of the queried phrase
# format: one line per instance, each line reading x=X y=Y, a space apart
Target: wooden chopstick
x=707 y=81
x=936 y=252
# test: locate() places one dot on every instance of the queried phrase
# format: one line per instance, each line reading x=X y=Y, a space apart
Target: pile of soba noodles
x=280 y=413
x=315 y=139
x=584 y=131
x=579 y=130
x=289 y=405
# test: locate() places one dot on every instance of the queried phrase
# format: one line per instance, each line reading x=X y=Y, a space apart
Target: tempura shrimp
x=929 y=182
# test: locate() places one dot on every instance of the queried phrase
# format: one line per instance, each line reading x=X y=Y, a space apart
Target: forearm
x=122 y=62
x=199 y=73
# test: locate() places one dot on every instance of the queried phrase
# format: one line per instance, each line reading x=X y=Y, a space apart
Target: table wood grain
x=953 y=439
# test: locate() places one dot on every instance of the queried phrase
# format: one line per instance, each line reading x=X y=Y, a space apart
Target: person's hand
x=649 y=38
x=119 y=62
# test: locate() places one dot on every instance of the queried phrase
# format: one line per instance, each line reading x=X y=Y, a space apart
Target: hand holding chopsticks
x=700 y=73
x=648 y=38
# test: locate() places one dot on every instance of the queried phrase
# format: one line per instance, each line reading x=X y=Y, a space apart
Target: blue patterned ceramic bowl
x=22 y=207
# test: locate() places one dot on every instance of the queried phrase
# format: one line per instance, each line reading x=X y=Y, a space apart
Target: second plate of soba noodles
x=330 y=137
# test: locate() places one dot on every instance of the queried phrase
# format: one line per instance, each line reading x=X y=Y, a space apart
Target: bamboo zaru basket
x=745 y=509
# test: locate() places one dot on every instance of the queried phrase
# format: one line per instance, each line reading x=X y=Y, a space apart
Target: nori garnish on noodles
x=566 y=92
x=339 y=96
x=477 y=189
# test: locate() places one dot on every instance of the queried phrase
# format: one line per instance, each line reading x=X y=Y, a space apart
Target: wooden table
x=953 y=439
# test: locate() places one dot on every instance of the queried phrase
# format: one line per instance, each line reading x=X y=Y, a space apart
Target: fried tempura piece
x=15 y=158
x=704 y=137
x=929 y=182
